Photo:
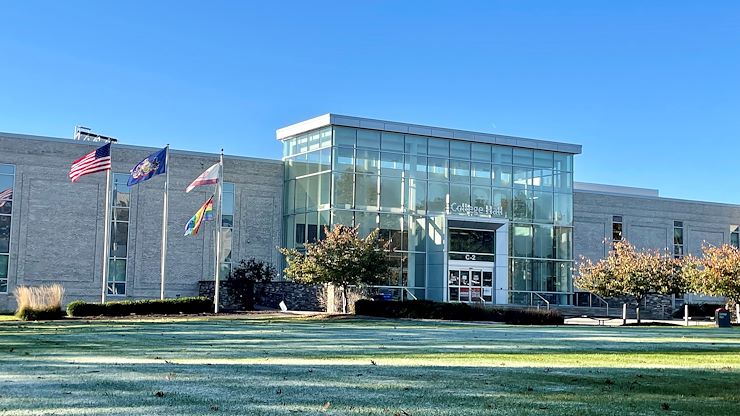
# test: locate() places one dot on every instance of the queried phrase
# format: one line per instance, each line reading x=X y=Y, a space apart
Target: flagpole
x=219 y=189
x=106 y=236
x=165 y=209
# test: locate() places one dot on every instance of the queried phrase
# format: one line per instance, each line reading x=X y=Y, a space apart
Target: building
x=472 y=217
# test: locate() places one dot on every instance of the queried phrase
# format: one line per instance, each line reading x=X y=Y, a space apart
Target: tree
x=627 y=271
x=717 y=273
x=243 y=277
x=342 y=258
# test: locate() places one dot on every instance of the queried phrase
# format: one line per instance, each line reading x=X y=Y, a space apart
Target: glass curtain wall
x=399 y=182
x=7 y=181
x=119 y=235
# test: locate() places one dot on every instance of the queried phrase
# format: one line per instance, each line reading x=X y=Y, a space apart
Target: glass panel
x=564 y=209
x=391 y=194
x=464 y=277
x=4 y=267
x=437 y=197
x=301 y=188
x=521 y=277
x=390 y=230
x=367 y=161
x=454 y=294
x=117 y=270
x=416 y=166
x=563 y=182
x=678 y=236
x=4 y=233
x=7 y=169
x=121 y=198
x=459 y=194
x=392 y=142
x=522 y=240
x=541 y=178
x=343 y=184
x=563 y=243
x=439 y=147
x=226 y=244
x=544 y=245
x=459 y=150
x=453 y=279
x=312 y=193
x=416 y=145
x=344 y=159
x=416 y=195
x=480 y=173
x=617 y=231
x=313 y=140
x=345 y=136
x=312 y=227
x=480 y=196
x=325 y=137
x=324 y=189
x=437 y=169
x=523 y=157
x=501 y=201
x=6 y=207
x=302 y=143
x=472 y=241
x=289 y=231
x=6 y=185
x=119 y=239
x=391 y=164
x=481 y=151
x=502 y=176
x=367 y=222
x=323 y=224
x=366 y=192
x=368 y=138
x=563 y=162
x=459 y=171
x=324 y=159
x=342 y=217
x=521 y=177
x=523 y=204
x=300 y=229
x=543 y=159
x=543 y=206
x=227 y=203
x=501 y=155
x=417 y=237
x=229 y=187
x=225 y=270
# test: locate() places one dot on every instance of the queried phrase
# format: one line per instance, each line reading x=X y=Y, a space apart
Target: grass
x=264 y=365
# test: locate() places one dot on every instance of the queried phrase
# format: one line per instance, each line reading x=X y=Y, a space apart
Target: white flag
x=209 y=177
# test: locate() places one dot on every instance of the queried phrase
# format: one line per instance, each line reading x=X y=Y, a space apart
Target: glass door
x=469 y=284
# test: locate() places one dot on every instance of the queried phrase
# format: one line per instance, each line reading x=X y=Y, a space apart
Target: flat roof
x=614 y=189
x=445 y=133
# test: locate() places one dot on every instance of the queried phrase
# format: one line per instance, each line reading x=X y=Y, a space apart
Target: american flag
x=96 y=161
x=6 y=195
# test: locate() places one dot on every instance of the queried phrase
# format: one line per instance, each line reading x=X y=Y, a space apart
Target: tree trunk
x=344 y=298
x=637 y=311
x=737 y=312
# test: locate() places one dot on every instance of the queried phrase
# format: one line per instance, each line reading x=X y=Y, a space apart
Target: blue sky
x=650 y=89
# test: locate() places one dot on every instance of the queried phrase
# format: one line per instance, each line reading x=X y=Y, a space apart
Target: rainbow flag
x=204 y=213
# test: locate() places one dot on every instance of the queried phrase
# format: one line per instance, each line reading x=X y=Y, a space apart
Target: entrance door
x=466 y=283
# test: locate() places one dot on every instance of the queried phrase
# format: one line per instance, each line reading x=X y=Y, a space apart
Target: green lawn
x=285 y=366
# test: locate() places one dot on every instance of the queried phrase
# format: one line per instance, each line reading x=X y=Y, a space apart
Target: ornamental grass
x=37 y=303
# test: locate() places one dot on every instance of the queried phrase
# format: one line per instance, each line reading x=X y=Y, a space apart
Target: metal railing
x=590 y=298
x=540 y=296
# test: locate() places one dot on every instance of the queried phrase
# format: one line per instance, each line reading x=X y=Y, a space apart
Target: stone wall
x=297 y=297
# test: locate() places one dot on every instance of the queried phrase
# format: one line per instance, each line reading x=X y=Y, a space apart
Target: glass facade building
x=471 y=217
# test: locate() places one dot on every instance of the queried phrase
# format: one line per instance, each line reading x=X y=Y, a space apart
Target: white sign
x=486 y=291
x=467 y=209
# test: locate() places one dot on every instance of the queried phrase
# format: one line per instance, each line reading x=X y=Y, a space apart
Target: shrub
x=426 y=309
x=39 y=303
x=141 y=307
x=698 y=310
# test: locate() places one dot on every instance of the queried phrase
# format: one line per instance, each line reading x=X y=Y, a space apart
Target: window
x=617 y=228
x=228 y=198
x=7 y=180
x=734 y=238
x=118 y=255
x=678 y=247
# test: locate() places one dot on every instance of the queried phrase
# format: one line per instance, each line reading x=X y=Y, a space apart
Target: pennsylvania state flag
x=153 y=165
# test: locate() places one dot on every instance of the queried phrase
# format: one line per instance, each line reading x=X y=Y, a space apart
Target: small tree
x=342 y=258
x=243 y=277
x=717 y=273
x=627 y=271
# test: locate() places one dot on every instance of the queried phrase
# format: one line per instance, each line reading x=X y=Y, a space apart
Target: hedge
x=426 y=309
x=44 y=314
x=141 y=307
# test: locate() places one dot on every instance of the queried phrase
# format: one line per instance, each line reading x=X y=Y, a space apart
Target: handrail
x=547 y=302
x=599 y=298
x=408 y=292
